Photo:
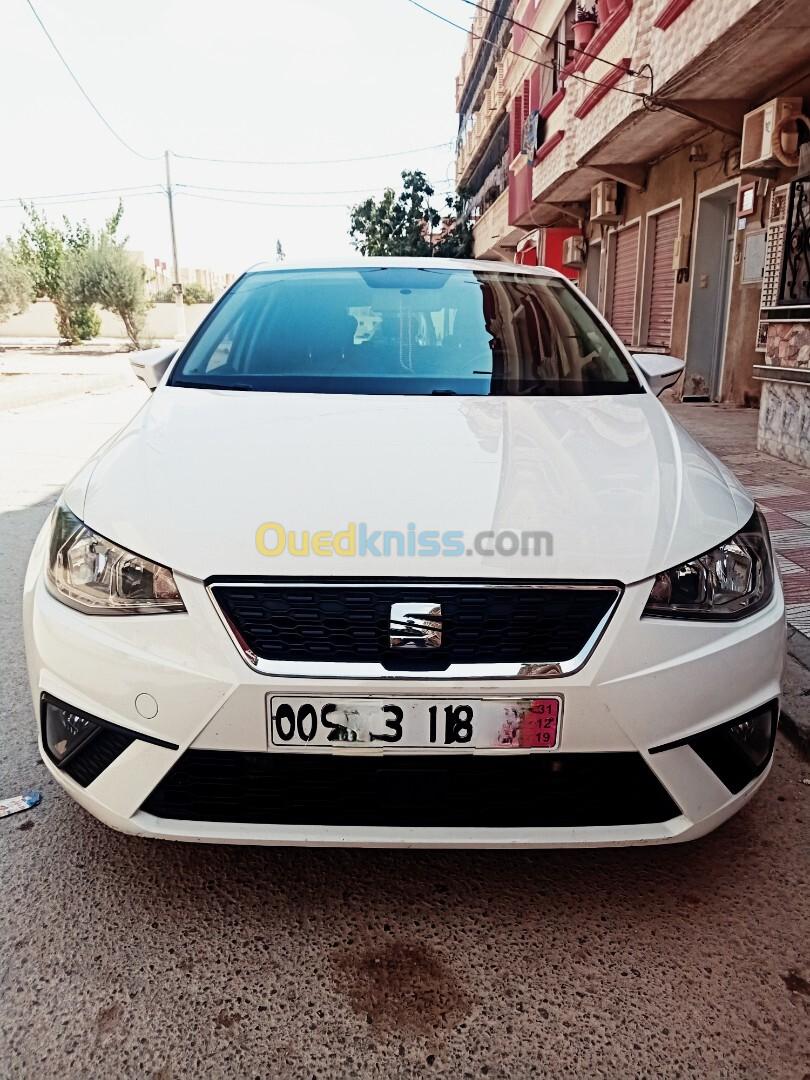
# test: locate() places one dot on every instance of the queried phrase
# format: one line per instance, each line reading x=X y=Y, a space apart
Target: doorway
x=711 y=283
x=593 y=267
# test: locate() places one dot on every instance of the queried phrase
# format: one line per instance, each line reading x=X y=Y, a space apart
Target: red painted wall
x=520 y=192
x=552 y=253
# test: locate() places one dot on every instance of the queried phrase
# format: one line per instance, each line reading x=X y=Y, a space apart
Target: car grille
x=451 y=790
x=481 y=624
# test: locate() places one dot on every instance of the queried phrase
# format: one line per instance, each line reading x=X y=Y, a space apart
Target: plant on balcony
x=584 y=25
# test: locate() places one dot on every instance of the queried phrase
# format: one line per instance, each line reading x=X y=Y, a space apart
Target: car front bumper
x=649 y=683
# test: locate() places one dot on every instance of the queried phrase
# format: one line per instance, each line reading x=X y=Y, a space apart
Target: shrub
x=192 y=294
x=85 y=323
x=16 y=286
x=103 y=273
x=197 y=294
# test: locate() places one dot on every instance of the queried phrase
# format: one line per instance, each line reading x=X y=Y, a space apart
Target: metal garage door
x=623 y=299
x=662 y=281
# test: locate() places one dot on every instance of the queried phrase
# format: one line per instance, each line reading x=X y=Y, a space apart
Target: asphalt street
x=130 y=958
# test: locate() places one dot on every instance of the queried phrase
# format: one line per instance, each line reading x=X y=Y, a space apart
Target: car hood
x=618 y=490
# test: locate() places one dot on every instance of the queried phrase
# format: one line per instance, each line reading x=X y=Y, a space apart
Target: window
x=563 y=35
x=403 y=330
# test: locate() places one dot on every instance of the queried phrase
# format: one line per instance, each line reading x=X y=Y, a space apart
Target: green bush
x=192 y=294
x=85 y=323
x=197 y=294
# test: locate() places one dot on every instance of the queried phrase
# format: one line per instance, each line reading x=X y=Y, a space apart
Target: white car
x=406 y=552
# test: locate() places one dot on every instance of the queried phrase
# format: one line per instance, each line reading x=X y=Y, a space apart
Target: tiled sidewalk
x=781 y=489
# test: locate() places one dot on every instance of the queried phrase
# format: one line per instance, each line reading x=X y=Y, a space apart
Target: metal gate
x=662 y=278
x=623 y=297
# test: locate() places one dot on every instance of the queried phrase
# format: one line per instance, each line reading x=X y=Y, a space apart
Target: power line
x=254 y=202
x=44 y=200
x=262 y=191
x=522 y=56
x=549 y=37
x=73 y=194
x=323 y=161
x=84 y=93
x=214 y=160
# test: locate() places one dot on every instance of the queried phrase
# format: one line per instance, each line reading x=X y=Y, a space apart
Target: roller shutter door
x=662 y=283
x=625 y=266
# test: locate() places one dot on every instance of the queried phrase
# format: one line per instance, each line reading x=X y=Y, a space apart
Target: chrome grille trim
x=304 y=669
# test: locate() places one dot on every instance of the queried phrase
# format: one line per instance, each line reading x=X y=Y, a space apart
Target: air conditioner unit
x=758 y=127
x=604 y=203
x=573 y=252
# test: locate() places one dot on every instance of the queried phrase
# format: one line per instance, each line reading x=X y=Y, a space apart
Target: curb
x=795 y=701
x=798 y=735
x=798 y=646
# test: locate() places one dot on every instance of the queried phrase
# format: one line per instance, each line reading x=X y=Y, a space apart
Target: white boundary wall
x=39 y=321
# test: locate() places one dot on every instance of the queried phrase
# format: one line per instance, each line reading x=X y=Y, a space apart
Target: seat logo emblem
x=415 y=626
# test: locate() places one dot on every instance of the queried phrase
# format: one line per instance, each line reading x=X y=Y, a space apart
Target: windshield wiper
x=209 y=385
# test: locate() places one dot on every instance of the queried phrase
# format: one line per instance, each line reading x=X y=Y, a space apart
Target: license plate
x=423 y=723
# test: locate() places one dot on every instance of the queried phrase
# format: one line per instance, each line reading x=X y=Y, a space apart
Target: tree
x=456 y=239
x=44 y=250
x=16 y=286
x=397 y=224
x=404 y=224
x=103 y=273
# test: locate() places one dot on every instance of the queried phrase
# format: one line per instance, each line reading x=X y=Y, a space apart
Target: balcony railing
x=491 y=225
x=795 y=288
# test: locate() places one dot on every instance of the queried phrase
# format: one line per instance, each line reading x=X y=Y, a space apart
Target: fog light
x=64 y=731
x=741 y=749
x=753 y=735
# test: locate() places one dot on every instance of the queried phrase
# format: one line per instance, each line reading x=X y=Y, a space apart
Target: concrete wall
x=39 y=321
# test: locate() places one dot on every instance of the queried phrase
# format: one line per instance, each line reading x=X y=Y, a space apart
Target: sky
x=277 y=80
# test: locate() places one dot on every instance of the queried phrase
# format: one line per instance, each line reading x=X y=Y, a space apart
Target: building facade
x=652 y=156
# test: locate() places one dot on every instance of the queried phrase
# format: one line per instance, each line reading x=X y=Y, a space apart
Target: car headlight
x=732 y=580
x=94 y=575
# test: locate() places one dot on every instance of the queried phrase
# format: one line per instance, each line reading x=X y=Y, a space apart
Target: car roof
x=357 y=262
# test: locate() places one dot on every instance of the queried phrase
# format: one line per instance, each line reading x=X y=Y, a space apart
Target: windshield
x=404 y=330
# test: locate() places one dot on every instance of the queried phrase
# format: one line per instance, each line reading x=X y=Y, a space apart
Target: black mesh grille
x=351 y=623
x=96 y=754
x=554 y=790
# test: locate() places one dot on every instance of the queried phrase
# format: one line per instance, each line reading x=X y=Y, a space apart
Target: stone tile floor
x=780 y=488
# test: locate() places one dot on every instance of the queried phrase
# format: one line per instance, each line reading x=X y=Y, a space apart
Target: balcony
x=493 y=236
x=701 y=54
x=491 y=227
x=484 y=125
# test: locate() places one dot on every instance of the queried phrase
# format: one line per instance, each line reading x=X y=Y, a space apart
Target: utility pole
x=177 y=287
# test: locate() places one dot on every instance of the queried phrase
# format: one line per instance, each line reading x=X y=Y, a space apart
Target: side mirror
x=150 y=365
x=660 y=371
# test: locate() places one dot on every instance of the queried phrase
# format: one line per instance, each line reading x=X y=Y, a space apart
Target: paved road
x=30 y=376
x=123 y=957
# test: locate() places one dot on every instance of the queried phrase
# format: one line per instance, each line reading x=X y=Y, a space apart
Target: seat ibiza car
x=405 y=552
